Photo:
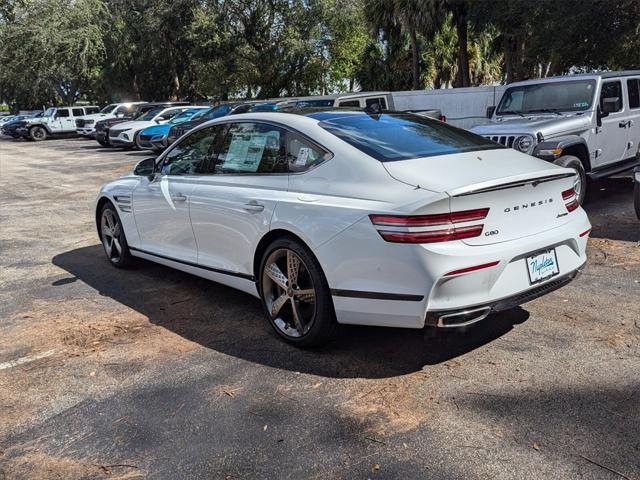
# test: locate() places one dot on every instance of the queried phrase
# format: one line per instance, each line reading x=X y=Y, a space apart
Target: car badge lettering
x=526 y=206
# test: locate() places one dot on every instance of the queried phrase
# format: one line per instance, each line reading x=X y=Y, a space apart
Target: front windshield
x=108 y=108
x=148 y=115
x=49 y=112
x=567 y=96
x=392 y=137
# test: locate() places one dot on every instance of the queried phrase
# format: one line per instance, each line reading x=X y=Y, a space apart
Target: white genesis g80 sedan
x=351 y=217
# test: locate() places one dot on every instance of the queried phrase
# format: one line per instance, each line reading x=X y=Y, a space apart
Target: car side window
x=62 y=113
x=78 y=112
x=350 y=103
x=612 y=94
x=633 y=88
x=248 y=147
x=190 y=155
x=302 y=154
x=379 y=100
x=169 y=115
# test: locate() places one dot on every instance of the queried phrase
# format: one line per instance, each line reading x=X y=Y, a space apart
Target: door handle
x=253 y=207
x=179 y=197
x=623 y=124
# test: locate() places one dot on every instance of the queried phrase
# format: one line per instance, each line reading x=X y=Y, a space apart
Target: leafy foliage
x=59 y=51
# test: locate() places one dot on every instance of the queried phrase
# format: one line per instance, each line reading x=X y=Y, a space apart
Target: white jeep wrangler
x=55 y=121
x=588 y=122
x=86 y=126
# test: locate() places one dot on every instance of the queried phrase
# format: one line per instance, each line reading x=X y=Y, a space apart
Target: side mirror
x=490 y=111
x=145 y=168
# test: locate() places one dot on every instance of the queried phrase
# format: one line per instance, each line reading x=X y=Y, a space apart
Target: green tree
x=51 y=48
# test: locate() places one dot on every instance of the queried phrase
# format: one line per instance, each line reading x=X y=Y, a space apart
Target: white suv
x=55 y=121
x=86 y=126
x=126 y=134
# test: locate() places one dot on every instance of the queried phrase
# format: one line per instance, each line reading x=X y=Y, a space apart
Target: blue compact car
x=155 y=137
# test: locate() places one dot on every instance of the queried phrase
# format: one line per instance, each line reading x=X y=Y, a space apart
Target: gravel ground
x=152 y=373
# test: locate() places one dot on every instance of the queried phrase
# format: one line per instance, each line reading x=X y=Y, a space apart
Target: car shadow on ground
x=603 y=205
x=233 y=323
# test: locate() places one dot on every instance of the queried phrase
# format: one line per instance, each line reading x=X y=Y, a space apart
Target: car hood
x=456 y=172
x=544 y=124
x=97 y=116
x=135 y=125
x=157 y=130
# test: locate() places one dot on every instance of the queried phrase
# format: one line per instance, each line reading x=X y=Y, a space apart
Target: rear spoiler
x=514 y=184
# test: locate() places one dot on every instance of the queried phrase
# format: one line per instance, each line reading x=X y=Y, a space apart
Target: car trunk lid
x=524 y=195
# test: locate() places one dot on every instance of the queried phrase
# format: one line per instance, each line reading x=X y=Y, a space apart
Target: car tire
x=114 y=241
x=301 y=312
x=37 y=134
x=104 y=143
x=580 y=185
x=135 y=145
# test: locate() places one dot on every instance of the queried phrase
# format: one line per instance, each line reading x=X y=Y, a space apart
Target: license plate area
x=542 y=266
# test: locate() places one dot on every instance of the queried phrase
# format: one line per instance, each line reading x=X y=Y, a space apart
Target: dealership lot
x=152 y=373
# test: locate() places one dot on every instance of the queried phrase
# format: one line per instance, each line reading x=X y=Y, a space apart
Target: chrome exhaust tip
x=461 y=318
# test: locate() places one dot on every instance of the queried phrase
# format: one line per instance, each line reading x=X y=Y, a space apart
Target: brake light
x=443 y=119
x=567 y=194
x=405 y=226
x=571 y=199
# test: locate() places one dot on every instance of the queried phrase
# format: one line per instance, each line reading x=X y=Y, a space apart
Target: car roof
x=578 y=76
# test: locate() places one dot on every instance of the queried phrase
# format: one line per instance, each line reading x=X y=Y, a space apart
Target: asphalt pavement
x=154 y=373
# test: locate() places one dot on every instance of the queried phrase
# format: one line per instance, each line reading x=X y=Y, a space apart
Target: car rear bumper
x=86 y=132
x=403 y=285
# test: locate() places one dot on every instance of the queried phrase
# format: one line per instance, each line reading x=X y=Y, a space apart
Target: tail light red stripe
x=432 y=236
x=471 y=269
x=429 y=220
x=451 y=221
x=567 y=194
x=585 y=233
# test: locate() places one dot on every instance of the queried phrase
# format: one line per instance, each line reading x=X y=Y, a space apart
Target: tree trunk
x=135 y=88
x=415 y=60
x=462 y=75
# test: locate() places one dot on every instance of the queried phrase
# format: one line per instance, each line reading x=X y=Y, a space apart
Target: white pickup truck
x=54 y=122
x=86 y=125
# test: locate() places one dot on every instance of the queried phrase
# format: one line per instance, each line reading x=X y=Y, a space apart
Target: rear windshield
x=391 y=137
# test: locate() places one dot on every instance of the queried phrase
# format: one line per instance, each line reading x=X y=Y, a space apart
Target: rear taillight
x=443 y=119
x=419 y=228
x=570 y=199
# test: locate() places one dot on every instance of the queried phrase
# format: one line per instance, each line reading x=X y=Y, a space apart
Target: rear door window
x=252 y=148
x=302 y=154
x=633 y=88
x=78 y=112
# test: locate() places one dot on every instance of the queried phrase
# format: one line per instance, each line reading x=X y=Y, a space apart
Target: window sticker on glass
x=581 y=104
x=245 y=152
x=303 y=156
